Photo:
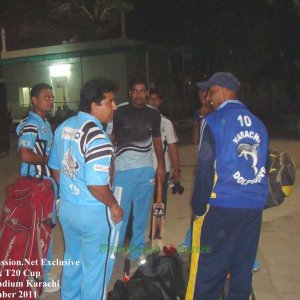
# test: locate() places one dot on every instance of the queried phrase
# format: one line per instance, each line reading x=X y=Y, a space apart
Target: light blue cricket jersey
x=35 y=133
x=82 y=153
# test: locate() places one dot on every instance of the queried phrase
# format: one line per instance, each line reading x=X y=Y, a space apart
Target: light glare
x=59 y=70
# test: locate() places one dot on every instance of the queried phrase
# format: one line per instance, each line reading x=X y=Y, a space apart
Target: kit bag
x=282 y=176
x=25 y=234
x=162 y=277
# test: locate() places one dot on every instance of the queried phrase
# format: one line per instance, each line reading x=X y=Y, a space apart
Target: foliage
x=33 y=23
x=91 y=19
x=97 y=11
x=258 y=38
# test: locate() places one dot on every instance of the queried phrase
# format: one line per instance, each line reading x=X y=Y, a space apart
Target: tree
x=34 y=23
x=93 y=19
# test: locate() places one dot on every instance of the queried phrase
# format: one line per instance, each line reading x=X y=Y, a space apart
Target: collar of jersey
x=229 y=101
x=90 y=117
x=138 y=108
x=37 y=117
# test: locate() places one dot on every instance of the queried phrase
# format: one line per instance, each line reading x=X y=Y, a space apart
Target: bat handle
x=159 y=191
x=126 y=269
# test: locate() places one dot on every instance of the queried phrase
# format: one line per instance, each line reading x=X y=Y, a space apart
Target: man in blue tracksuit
x=80 y=159
x=229 y=195
x=136 y=126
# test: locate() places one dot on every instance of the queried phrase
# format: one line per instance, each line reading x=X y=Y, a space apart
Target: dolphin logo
x=247 y=150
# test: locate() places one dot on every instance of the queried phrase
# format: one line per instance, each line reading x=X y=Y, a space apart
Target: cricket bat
x=158 y=217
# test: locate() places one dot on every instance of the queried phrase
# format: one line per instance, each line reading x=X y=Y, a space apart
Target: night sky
x=258 y=33
x=262 y=36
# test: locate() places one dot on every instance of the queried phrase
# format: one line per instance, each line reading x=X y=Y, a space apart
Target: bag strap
x=43 y=165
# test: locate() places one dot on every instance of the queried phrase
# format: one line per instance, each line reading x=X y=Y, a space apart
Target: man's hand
x=173 y=153
x=205 y=109
x=104 y=194
x=116 y=213
x=28 y=156
x=161 y=169
x=161 y=172
x=176 y=175
x=46 y=159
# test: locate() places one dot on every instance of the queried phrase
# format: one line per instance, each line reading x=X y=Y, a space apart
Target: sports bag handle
x=43 y=165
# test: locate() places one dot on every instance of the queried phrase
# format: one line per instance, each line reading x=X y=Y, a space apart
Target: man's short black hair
x=137 y=81
x=35 y=91
x=93 y=91
x=155 y=91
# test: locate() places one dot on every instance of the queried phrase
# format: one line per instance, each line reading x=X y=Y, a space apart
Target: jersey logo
x=24 y=143
x=70 y=165
x=247 y=151
x=101 y=168
x=44 y=129
x=77 y=135
x=69 y=133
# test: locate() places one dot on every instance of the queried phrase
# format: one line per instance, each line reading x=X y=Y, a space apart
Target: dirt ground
x=279 y=274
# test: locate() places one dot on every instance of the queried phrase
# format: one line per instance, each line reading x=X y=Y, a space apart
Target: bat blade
x=158 y=218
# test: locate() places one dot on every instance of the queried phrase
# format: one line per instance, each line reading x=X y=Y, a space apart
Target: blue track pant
x=225 y=240
x=48 y=266
x=88 y=235
x=135 y=187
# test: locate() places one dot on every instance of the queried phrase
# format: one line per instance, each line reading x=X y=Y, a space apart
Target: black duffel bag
x=282 y=176
x=162 y=277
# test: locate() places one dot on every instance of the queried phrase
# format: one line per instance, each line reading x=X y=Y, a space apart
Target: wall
x=27 y=74
x=111 y=66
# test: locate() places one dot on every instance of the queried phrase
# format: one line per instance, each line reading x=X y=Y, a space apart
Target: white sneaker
x=141 y=260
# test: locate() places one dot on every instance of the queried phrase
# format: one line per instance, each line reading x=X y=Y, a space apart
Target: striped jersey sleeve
x=103 y=151
x=31 y=136
x=91 y=132
x=28 y=134
x=97 y=150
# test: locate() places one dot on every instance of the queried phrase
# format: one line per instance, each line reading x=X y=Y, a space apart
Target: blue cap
x=223 y=79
